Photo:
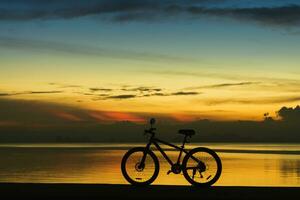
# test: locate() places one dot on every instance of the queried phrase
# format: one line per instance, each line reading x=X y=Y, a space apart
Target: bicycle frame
x=156 y=142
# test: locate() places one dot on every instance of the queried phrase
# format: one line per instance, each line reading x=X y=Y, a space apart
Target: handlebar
x=151 y=129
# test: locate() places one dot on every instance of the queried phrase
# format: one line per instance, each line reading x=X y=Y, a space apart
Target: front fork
x=147 y=148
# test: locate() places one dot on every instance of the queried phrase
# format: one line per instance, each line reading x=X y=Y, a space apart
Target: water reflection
x=92 y=165
x=290 y=168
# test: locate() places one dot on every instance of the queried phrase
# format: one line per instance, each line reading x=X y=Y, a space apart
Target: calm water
x=243 y=164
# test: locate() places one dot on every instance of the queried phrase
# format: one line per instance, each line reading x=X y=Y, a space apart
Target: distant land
x=284 y=129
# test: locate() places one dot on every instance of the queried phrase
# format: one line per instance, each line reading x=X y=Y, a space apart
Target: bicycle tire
x=218 y=164
x=127 y=176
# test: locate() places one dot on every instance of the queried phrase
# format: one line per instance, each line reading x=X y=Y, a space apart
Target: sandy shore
x=106 y=191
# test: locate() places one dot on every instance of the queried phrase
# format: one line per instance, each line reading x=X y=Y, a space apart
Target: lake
x=243 y=164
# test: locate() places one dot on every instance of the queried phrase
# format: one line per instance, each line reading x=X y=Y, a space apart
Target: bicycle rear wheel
x=136 y=172
x=202 y=167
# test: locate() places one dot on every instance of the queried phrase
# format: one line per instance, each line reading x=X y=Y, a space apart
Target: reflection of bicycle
x=200 y=166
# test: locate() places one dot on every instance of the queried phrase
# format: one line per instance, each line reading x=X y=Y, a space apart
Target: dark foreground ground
x=102 y=192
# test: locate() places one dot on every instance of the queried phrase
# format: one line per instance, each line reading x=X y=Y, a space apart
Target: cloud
x=68 y=116
x=116 y=116
x=60 y=85
x=4 y=94
x=184 y=93
x=289 y=114
x=142 y=89
x=121 y=93
x=34 y=112
x=93 y=94
x=122 y=96
x=130 y=92
x=43 y=92
x=63 y=10
x=194 y=74
x=180 y=93
x=224 y=85
x=149 y=94
x=60 y=47
x=156 y=94
x=288 y=15
x=226 y=76
x=283 y=16
x=100 y=89
x=30 y=92
x=138 y=10
x=258 y=100
x=14 y=112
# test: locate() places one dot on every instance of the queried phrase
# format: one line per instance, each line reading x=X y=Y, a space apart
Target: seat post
x=182 y=147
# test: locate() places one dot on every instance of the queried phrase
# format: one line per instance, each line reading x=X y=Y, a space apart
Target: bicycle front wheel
x=137 y=172
x=202 y=167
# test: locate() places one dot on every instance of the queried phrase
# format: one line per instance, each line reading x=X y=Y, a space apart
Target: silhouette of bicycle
x=200 y=166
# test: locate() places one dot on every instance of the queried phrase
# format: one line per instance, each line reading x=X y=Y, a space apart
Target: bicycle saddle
x=187 y=132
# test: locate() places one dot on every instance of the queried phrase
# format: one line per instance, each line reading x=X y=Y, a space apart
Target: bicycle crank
x=176 y=169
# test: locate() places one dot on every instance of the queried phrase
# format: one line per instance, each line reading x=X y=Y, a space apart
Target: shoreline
x=225 y=150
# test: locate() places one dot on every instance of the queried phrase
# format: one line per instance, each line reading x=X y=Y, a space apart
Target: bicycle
x=200 y=166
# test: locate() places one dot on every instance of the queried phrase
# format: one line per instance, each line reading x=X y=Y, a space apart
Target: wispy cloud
x=127 y=92
x=180 y=93
x=61 y=85
x=288 y=15
x=30 y=92
x=155 y=94
x=43 y=92
x=285 y=14
x=101 y=89
x=142 y=89
x=222 y=85
x=282 y=16
x=160 y=94
x=194 y=74
x=122 y=96
x=184 y=93
x=4 y=94
x=258 y=100
x=38 y=45
x=116 y=10
x=116 y=116
x=68 y=116
x=225 y=76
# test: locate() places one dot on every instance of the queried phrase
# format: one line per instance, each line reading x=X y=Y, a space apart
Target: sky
x=128 y=60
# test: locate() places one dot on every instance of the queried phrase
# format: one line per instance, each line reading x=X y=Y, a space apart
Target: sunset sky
x=126 y=60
